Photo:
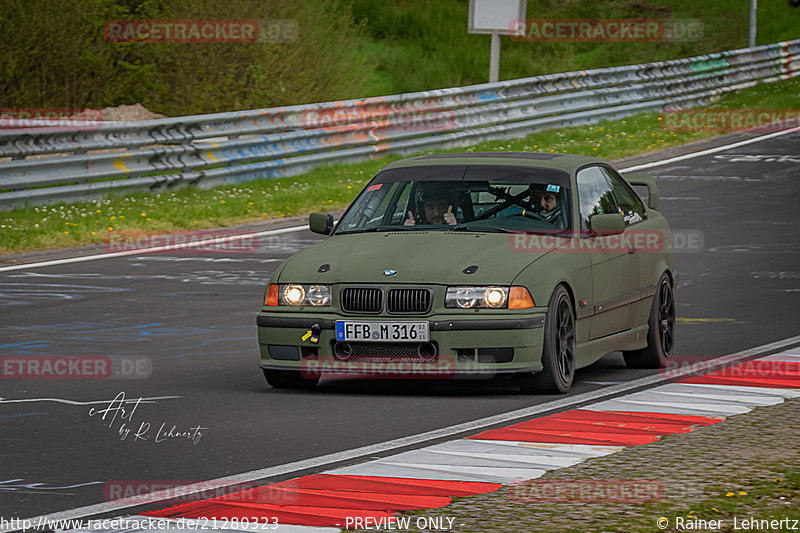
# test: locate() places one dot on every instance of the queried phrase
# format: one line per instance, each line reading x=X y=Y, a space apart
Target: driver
x=436 y=203
x=548 y=201
x=550 y=208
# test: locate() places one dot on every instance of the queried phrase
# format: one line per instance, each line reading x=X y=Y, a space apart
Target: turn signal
x=272 y=295
x=520 y=298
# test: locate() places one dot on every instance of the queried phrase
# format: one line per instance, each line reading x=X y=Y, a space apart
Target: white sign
x=494 y=16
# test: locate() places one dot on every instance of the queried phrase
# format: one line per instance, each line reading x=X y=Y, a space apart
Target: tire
x=288 y=379
x=558 y=351
x=661 y=330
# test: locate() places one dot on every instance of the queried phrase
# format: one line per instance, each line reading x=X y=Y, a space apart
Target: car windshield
x=458 y=197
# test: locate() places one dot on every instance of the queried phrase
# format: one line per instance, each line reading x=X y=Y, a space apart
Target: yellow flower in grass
x=715 y=509
x=742 y=493
x=729 y=494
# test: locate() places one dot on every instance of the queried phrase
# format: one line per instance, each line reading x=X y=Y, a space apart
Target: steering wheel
x=529 y=214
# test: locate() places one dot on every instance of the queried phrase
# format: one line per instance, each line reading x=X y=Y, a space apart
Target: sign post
x=494 y=17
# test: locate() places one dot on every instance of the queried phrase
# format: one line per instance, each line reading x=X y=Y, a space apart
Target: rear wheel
x=661 y=331
x=289 y=379
x=558 y=351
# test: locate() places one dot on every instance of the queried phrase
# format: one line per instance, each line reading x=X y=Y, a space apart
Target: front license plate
x=382 y=331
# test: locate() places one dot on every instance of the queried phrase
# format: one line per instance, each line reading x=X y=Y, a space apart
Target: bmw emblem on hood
x=389 y=272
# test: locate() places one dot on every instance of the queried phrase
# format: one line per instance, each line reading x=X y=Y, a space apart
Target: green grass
x=423 y=44
x=328 y=188
x=762 y=499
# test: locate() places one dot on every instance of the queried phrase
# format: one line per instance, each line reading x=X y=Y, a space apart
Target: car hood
x=418 y=257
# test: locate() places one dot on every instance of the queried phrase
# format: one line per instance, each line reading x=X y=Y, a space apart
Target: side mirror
x=646 y=181
x=320 y=223
x=608 y=224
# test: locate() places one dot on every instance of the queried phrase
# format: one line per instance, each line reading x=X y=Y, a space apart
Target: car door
x=646 y=238
x=615 y=269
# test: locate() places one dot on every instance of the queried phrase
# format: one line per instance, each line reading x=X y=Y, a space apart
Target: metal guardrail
x=44 y=164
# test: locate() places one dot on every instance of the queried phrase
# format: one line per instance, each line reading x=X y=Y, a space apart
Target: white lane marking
x=299 y=228
x=74 y=402
x=414 y=440
x=558 y=450
x=151 y=250
x=765 y=391
x=442 y=472
x=641 y=406
x=709 y=151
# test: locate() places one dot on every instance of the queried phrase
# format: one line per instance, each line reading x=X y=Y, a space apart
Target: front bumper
x=479 y=346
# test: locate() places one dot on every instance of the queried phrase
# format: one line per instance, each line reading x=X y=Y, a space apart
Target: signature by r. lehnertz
x=120 y=411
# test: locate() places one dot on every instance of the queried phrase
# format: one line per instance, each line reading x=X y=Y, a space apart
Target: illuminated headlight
x=476 y=297
x=296 y=294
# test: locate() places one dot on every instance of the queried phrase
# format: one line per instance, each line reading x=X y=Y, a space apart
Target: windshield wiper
x=375 y=229
x=488 y=229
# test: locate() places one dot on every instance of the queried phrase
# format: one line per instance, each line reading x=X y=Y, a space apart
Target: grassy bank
x=424 y=44
x=328 y=188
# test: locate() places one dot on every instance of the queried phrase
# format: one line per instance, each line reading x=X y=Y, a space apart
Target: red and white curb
x=369 y=494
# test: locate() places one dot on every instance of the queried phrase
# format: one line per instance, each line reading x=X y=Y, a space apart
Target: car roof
x=566 y=162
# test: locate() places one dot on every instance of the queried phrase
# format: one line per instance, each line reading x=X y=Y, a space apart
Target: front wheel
x=288 y=379
x=558 y=351
x=661 y=330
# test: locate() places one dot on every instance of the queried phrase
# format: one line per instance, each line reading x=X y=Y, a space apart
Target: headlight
x=297 y=294
x=476 y=297
x=319 y=294
x=293 y=294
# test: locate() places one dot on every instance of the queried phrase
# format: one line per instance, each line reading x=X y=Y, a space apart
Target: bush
x=51 y=57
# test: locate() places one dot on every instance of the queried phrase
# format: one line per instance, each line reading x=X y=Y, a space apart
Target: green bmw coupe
x=529 y=265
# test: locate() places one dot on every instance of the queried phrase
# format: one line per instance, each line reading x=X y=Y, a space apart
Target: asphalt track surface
x=190 y=317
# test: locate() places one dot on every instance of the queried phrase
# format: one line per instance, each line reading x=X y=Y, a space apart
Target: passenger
x=436 y=204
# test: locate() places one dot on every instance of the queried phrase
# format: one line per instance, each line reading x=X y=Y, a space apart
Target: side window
x=594 y=194
x=627 y=199
x=400 y=208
